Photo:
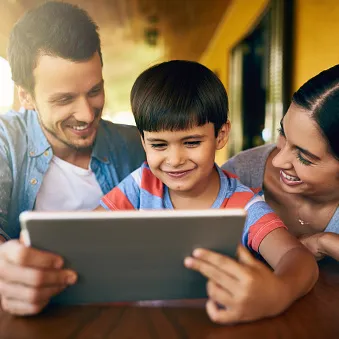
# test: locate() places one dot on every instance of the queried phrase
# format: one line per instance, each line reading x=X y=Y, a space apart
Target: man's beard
x=66 y=142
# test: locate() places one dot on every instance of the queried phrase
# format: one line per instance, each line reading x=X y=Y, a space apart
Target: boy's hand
x=29 y=278
x=246 y=289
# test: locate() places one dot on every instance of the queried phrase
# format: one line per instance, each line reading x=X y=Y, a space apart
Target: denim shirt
x=25 y=155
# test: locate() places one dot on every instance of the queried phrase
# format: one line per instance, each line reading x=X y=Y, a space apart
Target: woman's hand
x=322 y=244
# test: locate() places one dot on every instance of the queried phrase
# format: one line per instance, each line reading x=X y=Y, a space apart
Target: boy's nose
x=175 y=158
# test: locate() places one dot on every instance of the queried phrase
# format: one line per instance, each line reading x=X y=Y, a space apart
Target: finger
x=35 y=277
x=19 y=254
x=219 y=294
x=28 y=294
x=220 y=316
x=213 y=273
x=245 y=257
x=18 y=307
x=222 y=262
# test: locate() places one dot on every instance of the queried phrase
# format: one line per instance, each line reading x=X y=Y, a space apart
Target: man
x=57 y=154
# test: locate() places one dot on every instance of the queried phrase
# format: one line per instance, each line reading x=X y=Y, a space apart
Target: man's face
x=69 y=98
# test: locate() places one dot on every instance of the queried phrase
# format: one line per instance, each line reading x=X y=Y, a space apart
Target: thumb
x=245 y=257
x=24 y=238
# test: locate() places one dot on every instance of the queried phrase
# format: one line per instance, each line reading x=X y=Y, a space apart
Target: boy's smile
x=184 y=160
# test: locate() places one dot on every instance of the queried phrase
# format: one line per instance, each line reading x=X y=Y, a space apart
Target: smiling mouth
x=289 y=179
x=179 y=174
x=80 y=128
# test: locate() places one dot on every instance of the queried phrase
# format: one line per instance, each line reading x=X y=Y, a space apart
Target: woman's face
x=306 y=165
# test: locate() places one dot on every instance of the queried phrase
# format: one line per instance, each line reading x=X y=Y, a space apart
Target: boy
x=181 y=109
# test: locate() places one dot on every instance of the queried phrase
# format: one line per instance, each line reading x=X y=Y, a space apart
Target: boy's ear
x=223 y=135
x=25 y=98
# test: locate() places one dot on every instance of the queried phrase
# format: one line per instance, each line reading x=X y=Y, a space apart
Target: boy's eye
x=303 y=160
x=192 y=143
x=158 y=145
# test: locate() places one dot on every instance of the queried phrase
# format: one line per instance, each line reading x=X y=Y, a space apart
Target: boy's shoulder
x=234 y=183
x=236 y=194
x=143 y=179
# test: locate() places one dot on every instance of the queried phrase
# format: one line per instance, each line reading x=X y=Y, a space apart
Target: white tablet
x=133 y=255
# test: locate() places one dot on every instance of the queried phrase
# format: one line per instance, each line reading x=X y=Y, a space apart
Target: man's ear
x=223 y=135
x=25 y=98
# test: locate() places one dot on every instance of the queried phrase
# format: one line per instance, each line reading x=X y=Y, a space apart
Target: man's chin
x=80 y=145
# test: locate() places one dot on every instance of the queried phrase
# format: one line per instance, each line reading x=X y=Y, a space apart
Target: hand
x=322 y=244
x=247 y=289
x=29 y=278
x=313 y=244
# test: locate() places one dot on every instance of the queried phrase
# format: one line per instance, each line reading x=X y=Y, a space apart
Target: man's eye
x=64 y=101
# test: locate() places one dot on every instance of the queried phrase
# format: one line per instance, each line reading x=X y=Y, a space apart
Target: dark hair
x=320 y=97
x=178 y=95
x=56 y=29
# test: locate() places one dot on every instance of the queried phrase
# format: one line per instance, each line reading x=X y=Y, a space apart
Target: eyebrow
x=59 y=95
x=194 y=136
x=302 y=150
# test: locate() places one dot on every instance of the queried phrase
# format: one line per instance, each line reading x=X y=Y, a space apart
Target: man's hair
x=178 y=95
x=55 y=28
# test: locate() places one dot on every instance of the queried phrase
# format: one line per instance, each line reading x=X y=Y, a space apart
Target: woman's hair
x=178 y=95
x=320 y=97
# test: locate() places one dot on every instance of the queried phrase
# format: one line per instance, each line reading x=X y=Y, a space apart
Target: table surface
x=314 y=316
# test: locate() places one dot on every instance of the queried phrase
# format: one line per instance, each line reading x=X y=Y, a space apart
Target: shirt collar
x=37 y=141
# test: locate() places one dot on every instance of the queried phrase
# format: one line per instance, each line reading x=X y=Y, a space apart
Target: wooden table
x=314 y=316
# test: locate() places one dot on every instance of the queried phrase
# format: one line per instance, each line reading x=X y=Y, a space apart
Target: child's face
x=183 y=160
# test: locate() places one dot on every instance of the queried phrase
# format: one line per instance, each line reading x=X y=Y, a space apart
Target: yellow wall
x=316 y=44
x=238 y=20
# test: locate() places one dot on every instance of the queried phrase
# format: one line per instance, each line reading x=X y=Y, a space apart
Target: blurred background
x=262 y=50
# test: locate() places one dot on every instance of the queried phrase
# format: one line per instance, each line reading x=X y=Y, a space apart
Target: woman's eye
x=303 y=160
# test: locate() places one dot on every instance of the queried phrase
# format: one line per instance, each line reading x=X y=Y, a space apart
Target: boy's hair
x=56 y=29
x=178 y=95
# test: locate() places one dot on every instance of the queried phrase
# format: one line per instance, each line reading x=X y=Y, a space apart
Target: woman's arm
x=323 y=243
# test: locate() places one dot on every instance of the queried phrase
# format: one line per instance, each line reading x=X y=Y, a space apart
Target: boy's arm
x=322 y=244
x=293 y=264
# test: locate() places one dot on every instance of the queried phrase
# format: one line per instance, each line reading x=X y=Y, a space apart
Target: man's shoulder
x=13 y=125
x=119 y=131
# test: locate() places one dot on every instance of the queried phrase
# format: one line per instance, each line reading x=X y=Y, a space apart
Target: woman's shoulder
x=249 y=165
x=333 y=225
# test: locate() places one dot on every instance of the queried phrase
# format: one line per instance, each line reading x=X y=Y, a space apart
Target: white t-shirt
x=66 y=187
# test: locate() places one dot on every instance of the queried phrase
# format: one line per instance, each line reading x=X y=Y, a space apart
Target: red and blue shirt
x=143 y=190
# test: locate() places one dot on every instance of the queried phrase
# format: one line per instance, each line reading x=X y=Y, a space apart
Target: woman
x=300 y=180
x=300 y=175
